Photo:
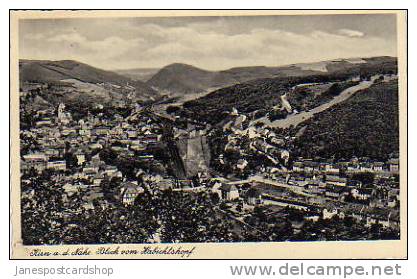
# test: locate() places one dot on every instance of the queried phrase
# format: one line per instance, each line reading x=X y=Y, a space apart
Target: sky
x=212 y=43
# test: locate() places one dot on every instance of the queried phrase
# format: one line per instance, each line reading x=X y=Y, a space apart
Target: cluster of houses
x=326 y=195
x=324 y=187
x=71 y=149
x=354 y=165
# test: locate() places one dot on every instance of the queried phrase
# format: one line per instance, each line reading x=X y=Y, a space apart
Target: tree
x=276 y=115
x=107 y=155
x=110 y=188
x=215 y=199
x=172 y=109
x=366 y=178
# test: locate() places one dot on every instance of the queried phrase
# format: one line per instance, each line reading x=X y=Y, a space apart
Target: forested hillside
x=263 y=94
x=367 y=124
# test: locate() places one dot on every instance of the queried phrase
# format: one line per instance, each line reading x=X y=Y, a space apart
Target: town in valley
x=301 y=152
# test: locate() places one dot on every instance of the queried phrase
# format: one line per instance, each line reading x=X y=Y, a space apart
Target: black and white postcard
x=209 y=134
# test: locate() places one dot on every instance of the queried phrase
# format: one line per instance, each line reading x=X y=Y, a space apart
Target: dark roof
x=253 y=193
x=228 y=187
x=336 y=189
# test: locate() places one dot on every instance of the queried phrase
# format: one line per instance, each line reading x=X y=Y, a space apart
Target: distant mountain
x=183 y=79
x=243 y=74
x=41 y=70
x=54 y=71
x=140 y=74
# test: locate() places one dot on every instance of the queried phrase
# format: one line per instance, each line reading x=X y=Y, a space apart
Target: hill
x=260 y=95
x=183 y=79
x=366 y=124
x=242 y=74
x=56 y=71
x=140 y=74
x=41 y=70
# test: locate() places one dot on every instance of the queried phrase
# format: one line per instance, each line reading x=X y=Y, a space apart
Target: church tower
x=61 y=111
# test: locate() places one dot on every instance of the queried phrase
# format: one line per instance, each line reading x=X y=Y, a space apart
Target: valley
x=300 y=152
